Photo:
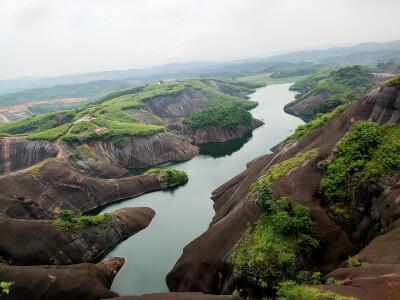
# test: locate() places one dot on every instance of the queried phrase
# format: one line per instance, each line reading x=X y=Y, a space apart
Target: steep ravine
x=185 y=212
x=205 y=264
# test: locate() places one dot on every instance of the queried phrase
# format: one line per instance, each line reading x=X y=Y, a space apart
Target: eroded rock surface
x=214 y=134
x=17 y=153
x=81 y=281
x=205 y=264
x=142 y=152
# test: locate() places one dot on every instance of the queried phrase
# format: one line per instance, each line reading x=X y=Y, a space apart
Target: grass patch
x=279 y=170
x=353 y=262
x=274 y=243
x=51 y=134
x=302 y=131
x=32 y=124
x=69 y=221
x=394 y=82
x=113 y=111
x=290 y=290
x=369 y=152
x=346 y=84
x=171 y=176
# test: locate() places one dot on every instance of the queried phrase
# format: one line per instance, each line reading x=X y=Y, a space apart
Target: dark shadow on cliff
x=217 y=150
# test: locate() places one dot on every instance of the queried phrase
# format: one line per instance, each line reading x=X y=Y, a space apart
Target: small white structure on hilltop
x=160 y=82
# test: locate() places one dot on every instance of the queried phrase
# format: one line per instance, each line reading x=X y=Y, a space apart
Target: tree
x=265 y=197
x=282 y=222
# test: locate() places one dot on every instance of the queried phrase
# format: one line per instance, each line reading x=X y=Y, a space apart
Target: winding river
x=183 y=213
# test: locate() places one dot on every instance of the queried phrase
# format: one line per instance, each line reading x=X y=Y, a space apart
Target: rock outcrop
x=81 y=281
x=142 y=152
x=18 y=153
x=58 y=185
x=205 y=263
x=305 y=106
x=220 y=87
x=182 y=105
x=214 y=134
x=38 y=242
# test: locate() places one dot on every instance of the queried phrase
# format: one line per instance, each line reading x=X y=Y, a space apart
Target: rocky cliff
x=18 y=153
x=372 y=233
x=182 y=105
x=305 y=106
x=29 y=201
x=59 y=185
x=140 y=152
x=214 y=134
x=38 y=242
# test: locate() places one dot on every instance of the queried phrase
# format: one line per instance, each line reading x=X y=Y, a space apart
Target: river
x=184 y=213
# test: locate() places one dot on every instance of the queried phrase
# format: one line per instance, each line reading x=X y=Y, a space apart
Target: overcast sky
x=57 y=37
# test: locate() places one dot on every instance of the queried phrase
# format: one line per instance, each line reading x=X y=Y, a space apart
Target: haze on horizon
x=58 y=37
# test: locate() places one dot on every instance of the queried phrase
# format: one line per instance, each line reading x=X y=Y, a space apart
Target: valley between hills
x=317 y=218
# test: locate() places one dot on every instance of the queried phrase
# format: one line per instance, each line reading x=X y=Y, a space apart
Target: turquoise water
x=184 y=213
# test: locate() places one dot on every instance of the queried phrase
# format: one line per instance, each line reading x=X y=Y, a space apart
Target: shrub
x=287 y=262
x=265 y=197
x=279 y=205
x=332 y=281
x=307 y=244
x=282 y=222
x=72 y=223
x=302 y=217
x=66 y=215
x=171 y=176
x=368 y=153
x=353 y=262
x=316 y=278
x=71 y=138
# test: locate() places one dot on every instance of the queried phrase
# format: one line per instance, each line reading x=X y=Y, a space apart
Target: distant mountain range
x=362 y=53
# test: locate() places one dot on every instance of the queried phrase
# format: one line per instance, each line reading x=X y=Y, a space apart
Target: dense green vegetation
x=113 y=116
x=274 y=243
x=303 y=131
x=312 y=79
x=69 y=221
x=279 y=170
x=394 y=82
x=32 y=124
x=171 y=176
x=230 y=117
x=51 y=134
x=290 y=290
x=369 y=152
x=344 y=84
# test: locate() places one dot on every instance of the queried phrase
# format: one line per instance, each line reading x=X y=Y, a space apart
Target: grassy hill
x=125 y=113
